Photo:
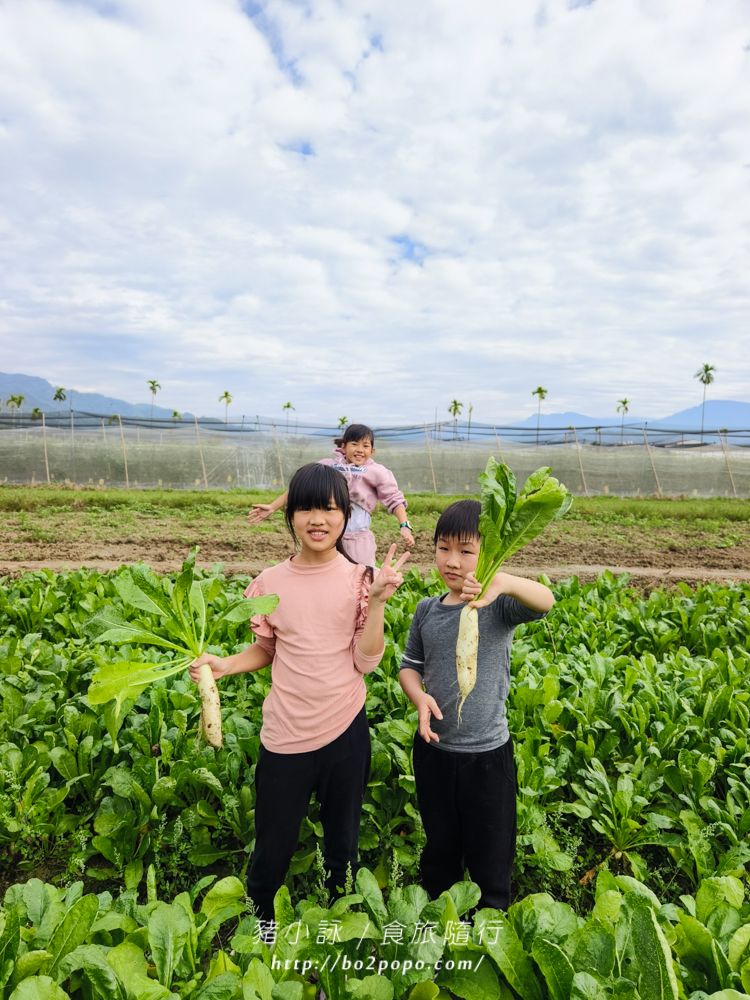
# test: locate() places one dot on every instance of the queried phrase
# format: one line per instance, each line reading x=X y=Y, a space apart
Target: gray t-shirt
x=431 y=651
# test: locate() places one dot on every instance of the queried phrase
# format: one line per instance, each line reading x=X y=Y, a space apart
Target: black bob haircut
x=460 y=521
x=355 y=432
x=317 y=485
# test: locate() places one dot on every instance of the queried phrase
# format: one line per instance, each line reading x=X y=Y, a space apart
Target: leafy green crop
x=508 y=521
x=203 y=945
x=630 y=718
x=184 y=631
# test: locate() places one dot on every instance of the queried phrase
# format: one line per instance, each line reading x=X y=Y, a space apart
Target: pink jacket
x=368 y=483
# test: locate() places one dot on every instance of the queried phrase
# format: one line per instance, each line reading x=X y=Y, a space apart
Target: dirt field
x=688 y=539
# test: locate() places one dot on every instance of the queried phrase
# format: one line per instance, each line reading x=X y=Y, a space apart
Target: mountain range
x=720 y=413
x=729 y=413
x=39 y=392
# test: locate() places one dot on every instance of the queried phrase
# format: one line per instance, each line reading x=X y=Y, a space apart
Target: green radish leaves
x=127 y=679
x=506 y=521
x=247 y=608
x=142 y=589
x=183 y=614
x=109 y=625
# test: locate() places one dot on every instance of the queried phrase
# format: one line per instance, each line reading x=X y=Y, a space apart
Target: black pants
x=338 y=774
x=468 y=807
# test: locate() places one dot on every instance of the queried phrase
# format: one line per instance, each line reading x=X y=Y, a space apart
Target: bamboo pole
x=726 y=459
x=124 y=453
x=44 y=436
x=500 y=450
x=104 y=436
x=580 y=463
x=200 y=452
x=650 y=458
x=429 y=453
x=278 y=454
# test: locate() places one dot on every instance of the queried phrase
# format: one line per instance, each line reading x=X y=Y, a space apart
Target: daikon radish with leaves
x=467 y=651
x=183 y=613
x=506 y=523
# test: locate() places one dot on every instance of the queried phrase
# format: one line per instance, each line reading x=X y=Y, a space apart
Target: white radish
x=210 y=707
x=467 y=649
x=506 y=523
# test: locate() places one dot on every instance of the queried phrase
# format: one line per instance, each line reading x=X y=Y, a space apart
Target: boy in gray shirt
x=464 y=771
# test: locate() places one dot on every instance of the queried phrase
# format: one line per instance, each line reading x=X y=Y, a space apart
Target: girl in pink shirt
x=368 y=482
x=325 y=634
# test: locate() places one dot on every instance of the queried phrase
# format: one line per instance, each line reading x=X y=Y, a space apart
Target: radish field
x=124 y=840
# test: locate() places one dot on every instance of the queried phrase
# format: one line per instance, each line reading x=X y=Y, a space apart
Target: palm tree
x=36 y=413
x=58 y=398
x=705 y=374
x=541 y=393
x=454 y=409
x=226 y=399
x=154 y=387
x=13 y=402
x=176 y=416
x=622 y=408
x=287 y=407
x=343 y=421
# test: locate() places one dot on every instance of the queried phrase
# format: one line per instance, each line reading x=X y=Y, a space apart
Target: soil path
x=664 y=549
x=645 y=575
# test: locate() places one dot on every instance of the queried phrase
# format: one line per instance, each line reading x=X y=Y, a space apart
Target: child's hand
x=388 y=580
x=472 y=589
x=407 y=537
x=217 y=664
x=260 y=512
x=427 y=707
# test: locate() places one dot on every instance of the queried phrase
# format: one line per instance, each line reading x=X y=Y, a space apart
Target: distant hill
x=39 y=392
x=574 y=419
x=729 y=413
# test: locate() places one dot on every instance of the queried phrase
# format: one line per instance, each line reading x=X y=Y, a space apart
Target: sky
x=373 y=207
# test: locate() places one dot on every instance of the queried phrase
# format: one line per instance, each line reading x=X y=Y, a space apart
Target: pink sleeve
x=387 y=490
x=365 y=664
x=260 y=625
x=326 y=461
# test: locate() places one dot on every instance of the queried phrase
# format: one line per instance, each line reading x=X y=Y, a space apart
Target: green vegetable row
x=57 y=943
x=629 y=715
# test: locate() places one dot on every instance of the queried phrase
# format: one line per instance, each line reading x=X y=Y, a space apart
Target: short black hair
x=460 y=521
x=356 y=432
x=315 y=485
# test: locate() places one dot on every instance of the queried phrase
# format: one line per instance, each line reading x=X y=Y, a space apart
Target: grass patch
x=153 y=502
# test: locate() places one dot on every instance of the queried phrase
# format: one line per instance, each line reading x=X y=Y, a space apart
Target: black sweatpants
x=338 y=774
x=468 y=807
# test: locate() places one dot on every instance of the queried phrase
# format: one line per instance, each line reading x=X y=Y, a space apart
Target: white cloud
x=376 y=207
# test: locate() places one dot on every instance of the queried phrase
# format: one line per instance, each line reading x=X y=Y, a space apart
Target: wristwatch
x=406 y=524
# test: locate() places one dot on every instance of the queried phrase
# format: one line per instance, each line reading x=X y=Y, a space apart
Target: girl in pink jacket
x=368 y=482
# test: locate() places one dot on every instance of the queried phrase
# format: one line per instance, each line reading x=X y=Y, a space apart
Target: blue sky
x=374 y=208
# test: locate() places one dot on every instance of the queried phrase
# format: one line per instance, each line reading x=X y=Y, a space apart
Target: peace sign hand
x=389 y=579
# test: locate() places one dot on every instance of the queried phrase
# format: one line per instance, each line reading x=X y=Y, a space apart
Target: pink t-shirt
x=317 y=688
